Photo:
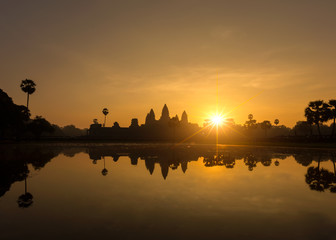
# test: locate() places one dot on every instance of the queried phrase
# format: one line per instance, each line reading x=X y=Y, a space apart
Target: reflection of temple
x=16 y=161
x=166 y=129
x=167 y=158
x=175 y=156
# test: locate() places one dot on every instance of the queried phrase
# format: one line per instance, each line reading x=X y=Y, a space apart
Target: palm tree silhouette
x=105 y=112
x=251 y=123
x=265 y=125
x=332 y=114
x=276 y=122
x=317 y=112
x=28 y=86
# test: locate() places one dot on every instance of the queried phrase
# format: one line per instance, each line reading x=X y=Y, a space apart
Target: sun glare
x=217 y=120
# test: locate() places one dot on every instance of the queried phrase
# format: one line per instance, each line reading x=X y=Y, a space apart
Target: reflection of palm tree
x=219 y=160
x=316 y=179
x=104 y=171
x=25 y=200
x=333 y=188
x=28 y=86
x=229 y=161
x=250 y=161
x=320 y=179
x=266 y=160
x=105 y=112
x=210 y=161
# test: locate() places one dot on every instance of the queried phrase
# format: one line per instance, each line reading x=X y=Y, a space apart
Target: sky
x=265 y=57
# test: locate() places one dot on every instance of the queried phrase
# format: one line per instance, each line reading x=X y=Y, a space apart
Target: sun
x=217 y=120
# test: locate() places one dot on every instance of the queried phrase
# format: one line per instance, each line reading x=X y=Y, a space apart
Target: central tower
x=165 y=114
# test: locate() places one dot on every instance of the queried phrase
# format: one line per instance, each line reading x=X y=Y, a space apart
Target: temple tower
x=165 y=114
x=184 y=118
x=150 y=118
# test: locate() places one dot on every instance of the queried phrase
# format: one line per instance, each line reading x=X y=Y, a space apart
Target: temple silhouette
x=166 y=128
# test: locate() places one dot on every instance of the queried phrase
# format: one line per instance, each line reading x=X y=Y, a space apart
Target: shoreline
x=256 y=143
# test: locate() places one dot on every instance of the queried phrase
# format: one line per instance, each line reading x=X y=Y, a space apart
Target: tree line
x=319 y=112
x=16 y=122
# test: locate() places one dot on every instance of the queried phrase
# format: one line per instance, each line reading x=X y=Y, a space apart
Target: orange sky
x=130 y=56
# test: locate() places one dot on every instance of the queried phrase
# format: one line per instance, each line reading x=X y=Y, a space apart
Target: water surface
x=161 y=191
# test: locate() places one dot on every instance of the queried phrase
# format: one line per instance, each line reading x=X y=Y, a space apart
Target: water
x=166 y=192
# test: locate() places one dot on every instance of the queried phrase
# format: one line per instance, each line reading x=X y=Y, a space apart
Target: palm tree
x=276 y=122
x=105 y=112
x=266 y=125
x=316 y=113
x=251 y=123
x=28 y=86
x=332 y=114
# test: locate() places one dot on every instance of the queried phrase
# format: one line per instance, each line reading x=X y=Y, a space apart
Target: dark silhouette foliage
x=39 y=125
x=317 y=113
x=13 y=117
x=73 y=131
x=251 y=123
x=265 y=125
x=302 y=128
x=332 y=114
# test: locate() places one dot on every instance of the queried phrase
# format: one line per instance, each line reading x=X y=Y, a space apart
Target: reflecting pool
x=164 y=191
